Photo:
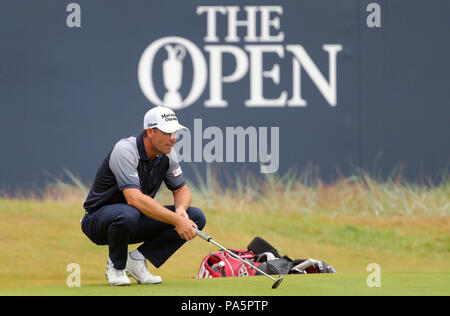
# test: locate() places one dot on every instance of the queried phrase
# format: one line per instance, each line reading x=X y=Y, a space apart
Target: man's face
x=162 y=142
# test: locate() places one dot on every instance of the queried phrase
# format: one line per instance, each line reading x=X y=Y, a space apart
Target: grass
x=342 y=284
x=348 y=224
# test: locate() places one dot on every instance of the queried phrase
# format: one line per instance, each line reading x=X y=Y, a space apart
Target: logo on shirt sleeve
x=177 y=172
x=135 y=175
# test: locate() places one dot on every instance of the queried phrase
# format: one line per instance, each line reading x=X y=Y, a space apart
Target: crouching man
x=120 y=207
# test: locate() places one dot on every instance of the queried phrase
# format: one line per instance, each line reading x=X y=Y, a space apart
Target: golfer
x=120 y=207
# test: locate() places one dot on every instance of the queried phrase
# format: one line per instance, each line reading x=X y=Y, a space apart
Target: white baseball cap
x=163 y=119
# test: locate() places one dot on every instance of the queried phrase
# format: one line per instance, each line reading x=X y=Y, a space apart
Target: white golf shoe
x=116 y=277
x=139 y=271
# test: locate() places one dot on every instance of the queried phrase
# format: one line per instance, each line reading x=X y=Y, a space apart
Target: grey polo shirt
x=128 y=166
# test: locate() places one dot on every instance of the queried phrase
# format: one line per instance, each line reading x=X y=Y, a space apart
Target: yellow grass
x=348 y=224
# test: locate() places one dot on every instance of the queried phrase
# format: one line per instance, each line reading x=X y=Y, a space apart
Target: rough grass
x=359 y=195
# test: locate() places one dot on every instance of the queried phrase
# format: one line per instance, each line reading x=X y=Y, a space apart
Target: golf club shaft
x=209 y=239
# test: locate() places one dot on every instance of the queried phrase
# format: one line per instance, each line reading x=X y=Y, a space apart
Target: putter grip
x=202 y=235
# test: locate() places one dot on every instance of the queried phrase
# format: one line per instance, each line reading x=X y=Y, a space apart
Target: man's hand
x=182 y=200
x=185 y=227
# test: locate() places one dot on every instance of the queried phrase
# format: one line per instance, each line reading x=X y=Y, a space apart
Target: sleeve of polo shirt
x=123 y=163
x=174 y=178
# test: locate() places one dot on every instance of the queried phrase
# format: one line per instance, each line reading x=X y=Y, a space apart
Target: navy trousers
x=119 y=225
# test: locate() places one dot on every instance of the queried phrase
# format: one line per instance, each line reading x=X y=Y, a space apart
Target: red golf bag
x=263 y=256
x=221 y=264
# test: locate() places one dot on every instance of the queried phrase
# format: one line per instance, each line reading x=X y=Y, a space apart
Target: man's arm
x=151 y=208
x=182 y=200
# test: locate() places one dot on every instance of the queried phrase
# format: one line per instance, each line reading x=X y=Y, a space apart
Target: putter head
x=277 y=282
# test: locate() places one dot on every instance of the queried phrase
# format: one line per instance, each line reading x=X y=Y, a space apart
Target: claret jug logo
x=264 y=40
x=176 y=48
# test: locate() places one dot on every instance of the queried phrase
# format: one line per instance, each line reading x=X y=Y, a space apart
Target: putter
x=209 y=239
